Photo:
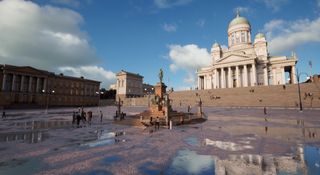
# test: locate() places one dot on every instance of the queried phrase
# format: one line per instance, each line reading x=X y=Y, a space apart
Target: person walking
x=4 y=114
x=265 y=114
x=157 y=123
x=101 y=115
x=78 y=118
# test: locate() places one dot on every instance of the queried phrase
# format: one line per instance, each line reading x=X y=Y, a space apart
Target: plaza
x=231 y=141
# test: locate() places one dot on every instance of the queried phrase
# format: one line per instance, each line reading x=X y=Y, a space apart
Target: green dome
x=238 y=20
x=260 y=35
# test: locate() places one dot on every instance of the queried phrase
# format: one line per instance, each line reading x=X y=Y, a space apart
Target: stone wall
x=259 y=96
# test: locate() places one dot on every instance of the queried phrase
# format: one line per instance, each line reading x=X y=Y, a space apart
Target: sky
x=98 y=38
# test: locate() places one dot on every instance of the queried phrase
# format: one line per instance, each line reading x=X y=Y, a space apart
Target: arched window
x=243 y=39
x=232 y=39
x=237 y=38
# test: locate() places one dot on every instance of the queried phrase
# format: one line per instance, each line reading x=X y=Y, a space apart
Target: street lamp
x=298 y=78
x=48 y=94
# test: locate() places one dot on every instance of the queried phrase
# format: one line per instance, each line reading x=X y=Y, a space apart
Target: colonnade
x=245 y=75
x=23 y=83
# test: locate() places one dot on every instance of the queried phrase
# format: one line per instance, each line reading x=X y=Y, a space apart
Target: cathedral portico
x=244 y=64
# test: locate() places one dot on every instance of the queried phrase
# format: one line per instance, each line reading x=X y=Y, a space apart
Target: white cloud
x=275 y=5
x=162 y=4
x=190 y=78
x=90 y=72
x=45 y=37
x=189 y=57
x=72 y=3
x=169 y=27
x=286 y=36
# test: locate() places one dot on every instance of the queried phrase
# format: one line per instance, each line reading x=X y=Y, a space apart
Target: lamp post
x=299 y=91
x=48 y=95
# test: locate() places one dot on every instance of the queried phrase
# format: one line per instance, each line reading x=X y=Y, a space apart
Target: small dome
x=238 y=20
x=260 y=35
x=215 y=45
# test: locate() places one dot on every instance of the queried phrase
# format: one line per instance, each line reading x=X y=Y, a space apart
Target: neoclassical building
x=244 y=63
x=25 y=86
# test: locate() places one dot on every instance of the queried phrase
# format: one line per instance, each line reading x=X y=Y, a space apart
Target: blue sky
x=98 y=38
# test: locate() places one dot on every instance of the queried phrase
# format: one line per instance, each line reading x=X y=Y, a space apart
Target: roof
x=40 y=72
x=122 y=72
x=239 y=20
x=260 y=35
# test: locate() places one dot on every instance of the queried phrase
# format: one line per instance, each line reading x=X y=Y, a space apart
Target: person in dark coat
x=4 y=114
x=78 y=119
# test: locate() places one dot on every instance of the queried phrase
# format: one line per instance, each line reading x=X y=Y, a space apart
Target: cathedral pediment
x=234 y=58
x=26 y=70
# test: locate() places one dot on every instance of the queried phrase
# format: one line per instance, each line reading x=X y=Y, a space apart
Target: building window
x=243 y=37
x=232 y=39
x=237 y=38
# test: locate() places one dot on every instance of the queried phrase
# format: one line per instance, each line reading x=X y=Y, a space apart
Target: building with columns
x=129 y=84
x=244 y=63
x=24 y=86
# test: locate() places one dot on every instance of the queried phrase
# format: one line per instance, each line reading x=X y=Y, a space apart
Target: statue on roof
x=160 y=75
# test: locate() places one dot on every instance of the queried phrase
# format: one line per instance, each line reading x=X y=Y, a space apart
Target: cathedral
x=244 y=63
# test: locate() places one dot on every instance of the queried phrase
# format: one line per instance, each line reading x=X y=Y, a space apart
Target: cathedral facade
x=244 y=63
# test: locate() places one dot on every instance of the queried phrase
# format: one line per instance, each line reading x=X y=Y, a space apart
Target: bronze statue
x=161 y=75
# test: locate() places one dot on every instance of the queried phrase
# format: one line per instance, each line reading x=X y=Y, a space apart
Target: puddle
x=111 y=159
x=149 y=168
x=229 y=146
x=36 y=125
x=312 y=159
x=192 y=141
x=105 y=138
x=27 y=137
x=22 y=166
x=95 y=172
x=189 y=162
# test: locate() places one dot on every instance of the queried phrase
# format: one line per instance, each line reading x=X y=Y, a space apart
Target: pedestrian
x=151 y=122
x=157 y=122
x=265 y=111
x=189 y=108
x=101 y=115
x=74 y=117
x=83 y=117
x=78 y=118
x=4 y=114
x=89 y=115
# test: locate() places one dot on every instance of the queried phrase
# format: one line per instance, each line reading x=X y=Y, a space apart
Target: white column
x=245 y=76
x=45 y=84
x=4 y=81
x=283 y=76
x=13 y=82
x=229 y=77
x=30 y=84
x=38 y=84
x=223 y=78
x=274 y=77
x=22 y=83
x=254 y=75
x=217 y=78
x=237 y=76
x=265 y=75
x=293 y=75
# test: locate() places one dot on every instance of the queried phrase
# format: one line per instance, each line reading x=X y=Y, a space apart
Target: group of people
x=156 y=123
x=85 y=117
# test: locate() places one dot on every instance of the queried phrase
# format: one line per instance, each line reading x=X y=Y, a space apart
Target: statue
x=161 y=75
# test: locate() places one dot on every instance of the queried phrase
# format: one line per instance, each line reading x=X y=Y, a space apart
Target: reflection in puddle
x=95 y=172
x=229 y=146
x=19 y=166
x=35 y=125
x=106 y=138
x=149 y=168
x=312 y=159
x=28 y=137
x=192 y=141
x=189 y=162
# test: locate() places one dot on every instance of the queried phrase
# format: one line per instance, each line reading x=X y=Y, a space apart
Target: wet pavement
x=231 y=141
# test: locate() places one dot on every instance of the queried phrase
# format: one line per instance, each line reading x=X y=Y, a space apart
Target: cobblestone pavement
x=231 y=141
